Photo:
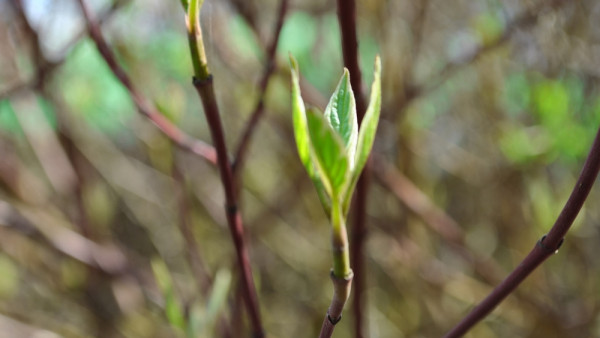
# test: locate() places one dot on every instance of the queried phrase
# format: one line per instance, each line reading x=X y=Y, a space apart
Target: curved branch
x=244 y=142
x=544 y=248
x=179 y=137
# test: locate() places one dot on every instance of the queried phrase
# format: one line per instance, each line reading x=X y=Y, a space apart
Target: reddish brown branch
x=347 y=18
x=44 y=67
x=180 y=138
x=244 y=142
x=206 y=91
x=439 y=221
x=416 y=201
x=545 y=247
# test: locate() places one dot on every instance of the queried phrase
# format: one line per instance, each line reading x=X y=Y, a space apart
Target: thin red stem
x=206 y=91
x=546 y=246
x=244 y=142
x=180 y=138
x=217 y=155
x=347 y=20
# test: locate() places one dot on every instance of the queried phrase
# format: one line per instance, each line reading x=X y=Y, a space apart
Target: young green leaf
x=341 y=114
x=366 y=135
x=300 y=124
x=329 y=151
x=302 y=137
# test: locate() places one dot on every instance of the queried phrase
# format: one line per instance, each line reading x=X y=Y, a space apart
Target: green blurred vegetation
x=489 y=117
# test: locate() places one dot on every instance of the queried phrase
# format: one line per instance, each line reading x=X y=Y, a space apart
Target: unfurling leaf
x=329 y=151
x=341 y=114
x=302 y=137
x=330 y=145
x=366 y=135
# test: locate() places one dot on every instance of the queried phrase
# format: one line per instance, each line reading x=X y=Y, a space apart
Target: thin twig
x=45 y=67
x=418 y=30
x=244 y=142
x=203 y=82
x=206 y=91
x=417 y=201
x=41 y=226
x=346 y=10
x=545 y=247
x=414 y=91
x=171 y=131
x=451 y=68
x=438 y=220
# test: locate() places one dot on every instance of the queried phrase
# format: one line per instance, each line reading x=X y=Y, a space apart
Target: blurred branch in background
x=180 y=138
x=44 y=66
x=545 y=247
x=203 y=83
x=414 y=91
x=346 y=11
x=489 y=106
x=270 y=65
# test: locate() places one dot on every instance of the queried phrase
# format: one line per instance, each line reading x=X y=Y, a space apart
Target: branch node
x=260 y=334
x=337 y=280
x=231 y=209
x=333 y=321
x=202 y=82
x=548 y=249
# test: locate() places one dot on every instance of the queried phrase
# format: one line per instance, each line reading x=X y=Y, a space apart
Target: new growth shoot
x=334 y=151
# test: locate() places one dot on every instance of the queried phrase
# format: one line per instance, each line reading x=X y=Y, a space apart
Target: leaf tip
x=346 y=74
x=377 y=64
x=293 y=62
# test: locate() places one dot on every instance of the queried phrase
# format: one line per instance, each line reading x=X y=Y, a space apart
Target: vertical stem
x=249 y=130
x=234 y=220
x=347 y=19
x=339 y=242
x=204 y=86
x=341 y=274
x=359 y=235
x=195 y=40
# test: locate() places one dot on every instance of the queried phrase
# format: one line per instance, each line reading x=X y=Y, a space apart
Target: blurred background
x=489 y=110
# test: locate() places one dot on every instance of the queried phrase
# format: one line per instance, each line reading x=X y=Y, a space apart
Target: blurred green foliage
x=495 y=150
x=553 y=119
x=89 y=84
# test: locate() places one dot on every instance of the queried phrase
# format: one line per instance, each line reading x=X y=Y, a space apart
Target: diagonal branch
x=415 y=91
x=244 y=142
x=170 y=130
x=45 y=67
x=234 y=219
x=545 y=247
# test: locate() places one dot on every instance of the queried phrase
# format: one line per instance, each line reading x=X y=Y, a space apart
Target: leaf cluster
x=330 y=145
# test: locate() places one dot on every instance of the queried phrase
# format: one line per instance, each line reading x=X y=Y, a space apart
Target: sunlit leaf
x=302 y=136
x=366 y=135
x=341 y=114
x=299 y=118
x=329 y=152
